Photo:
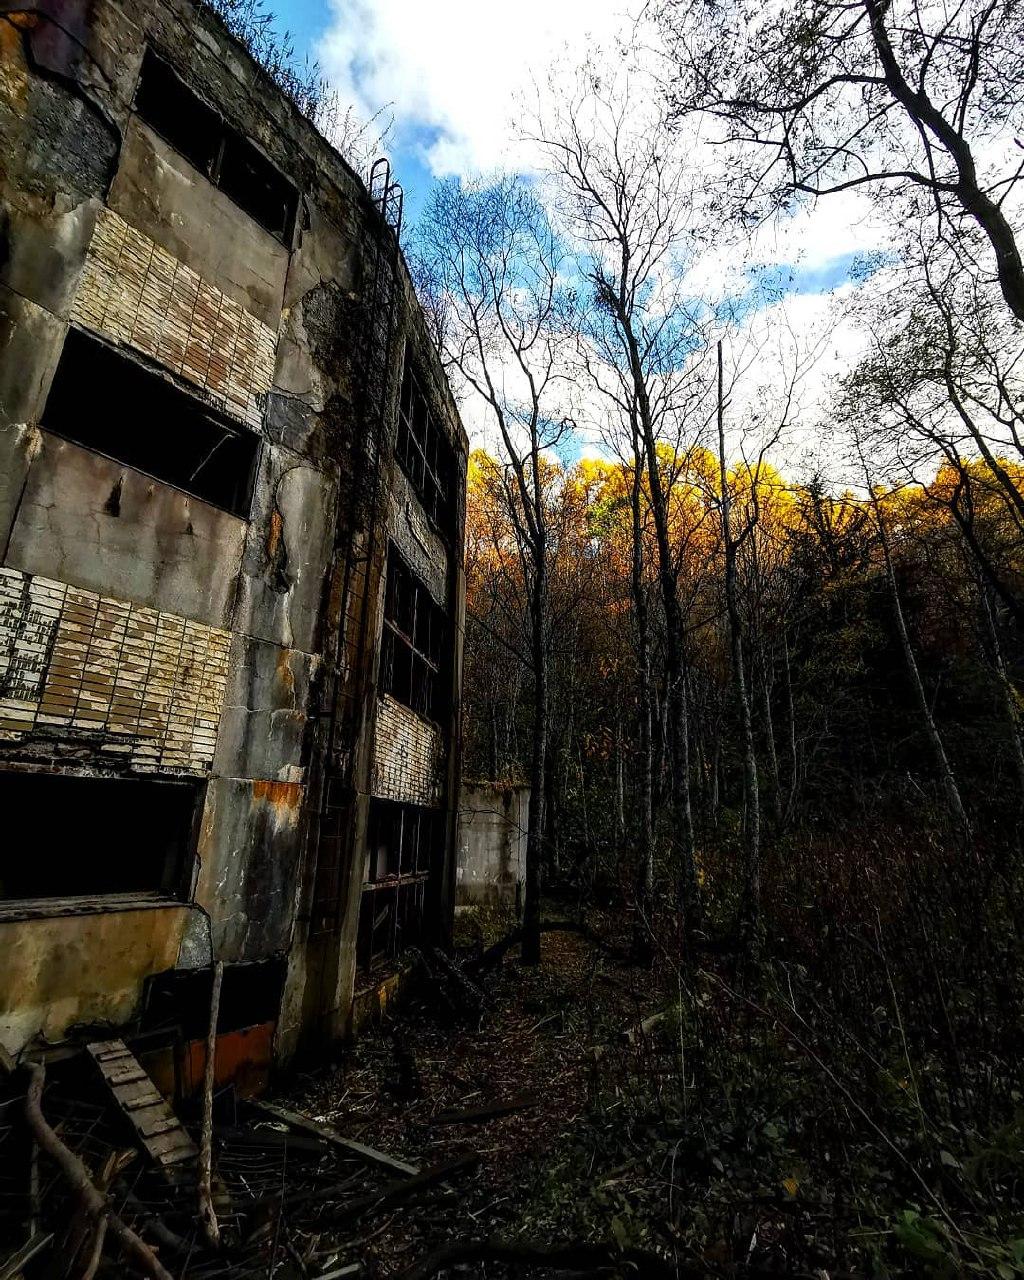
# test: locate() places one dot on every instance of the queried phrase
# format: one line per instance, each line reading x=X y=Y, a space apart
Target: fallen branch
x=18 y=1260
x=641 y=1030
x=496 y=953
x=271 y=1140
x=207 y=1213
x=405 y=1189
x=76 y=1175
x=576 y=1257
x=489 y=1111
x=154 y=1226
x=114 y=1165
x=467 y=995
x=391 y=1193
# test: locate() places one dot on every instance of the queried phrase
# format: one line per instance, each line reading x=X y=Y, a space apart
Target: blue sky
x=457 y=78
x=309 y=22
x=454 y=75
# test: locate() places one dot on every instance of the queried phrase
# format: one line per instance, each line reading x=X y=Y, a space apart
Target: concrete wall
x=491 y=844
x=143 y=630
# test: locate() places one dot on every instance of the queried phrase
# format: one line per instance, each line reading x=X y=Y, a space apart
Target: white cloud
x=455 y=67
x=455 y=75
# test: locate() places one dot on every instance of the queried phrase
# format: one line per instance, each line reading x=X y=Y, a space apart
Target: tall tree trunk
x=535 y=822
x=620 y=782
x=950 y=791
x=675 y=667
x=769 y=736
x=790 y=730
x=645 y=851
x=750 y=919
x=552 y=795
x=716 y=770
x=1007 y=692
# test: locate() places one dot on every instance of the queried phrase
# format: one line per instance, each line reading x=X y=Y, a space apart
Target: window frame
x=179 y=864
x=224 y=137
x=402 y=653
x=424 y=452
x=393 y=899
x=51 y=421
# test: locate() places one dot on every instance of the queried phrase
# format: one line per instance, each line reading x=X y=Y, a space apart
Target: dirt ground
x=543 y=1035
x=541 y=1055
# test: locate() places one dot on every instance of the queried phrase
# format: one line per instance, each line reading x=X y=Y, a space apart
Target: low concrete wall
x=492 y=844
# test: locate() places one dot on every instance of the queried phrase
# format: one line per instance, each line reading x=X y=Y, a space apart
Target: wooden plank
x=488 y=1111
x=158 y=1129
x=370 y=1154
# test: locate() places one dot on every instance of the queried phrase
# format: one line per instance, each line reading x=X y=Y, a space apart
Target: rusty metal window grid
x=403 y=854
x=414 y=641
x=424 y=452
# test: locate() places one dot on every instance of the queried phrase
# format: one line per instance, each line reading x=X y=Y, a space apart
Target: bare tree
x=623 y=195
x=947 y=782
x=892 y=96
x=490 y=252
x=732 y=540
x=940 y=383
x=638 y=586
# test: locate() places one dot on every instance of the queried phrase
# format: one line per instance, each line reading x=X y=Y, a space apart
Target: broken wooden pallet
x=160 y=1131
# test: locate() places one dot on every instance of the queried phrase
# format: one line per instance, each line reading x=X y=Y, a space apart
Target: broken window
x=108 y=402
x=413 y=643
x=405 y=852
x=83 y=836
x=423 y=450
x=228 y=159
x=250 y=994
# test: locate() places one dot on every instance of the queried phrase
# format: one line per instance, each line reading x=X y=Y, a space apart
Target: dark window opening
x=228 y=159
x=167 y=104
x=80 y=837
x=413 y=644
x=247 y=177
x=405 y=853
x=251 y=994
x=423 y=450
x=108 y=402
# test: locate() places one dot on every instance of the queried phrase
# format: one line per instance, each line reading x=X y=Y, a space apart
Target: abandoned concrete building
x=232 y=485
x=491 y=862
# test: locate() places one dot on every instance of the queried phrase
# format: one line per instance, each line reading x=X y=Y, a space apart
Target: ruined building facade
x=232 y=484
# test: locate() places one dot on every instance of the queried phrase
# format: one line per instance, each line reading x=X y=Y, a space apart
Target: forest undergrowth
x=853 y=1108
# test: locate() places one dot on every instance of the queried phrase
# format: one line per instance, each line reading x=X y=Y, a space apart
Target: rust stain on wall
x=274 y=533
x=285 y=674
x=13 y=76
x=284 y=798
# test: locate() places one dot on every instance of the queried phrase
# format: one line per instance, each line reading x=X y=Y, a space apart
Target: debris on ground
x=409 y=1155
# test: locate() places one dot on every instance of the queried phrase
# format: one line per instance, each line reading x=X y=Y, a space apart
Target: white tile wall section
x=151 y=684
x=134 y=292
x=408 y=756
